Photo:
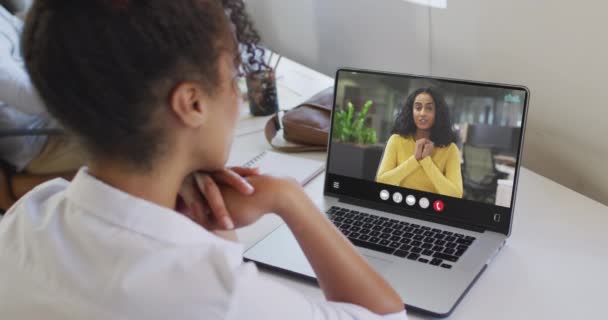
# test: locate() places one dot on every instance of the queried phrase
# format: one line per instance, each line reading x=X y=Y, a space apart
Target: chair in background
x=502 y=139
x=479 y=173
x=10 y=179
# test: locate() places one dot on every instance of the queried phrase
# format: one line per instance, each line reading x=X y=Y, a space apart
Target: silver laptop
x=429 y=227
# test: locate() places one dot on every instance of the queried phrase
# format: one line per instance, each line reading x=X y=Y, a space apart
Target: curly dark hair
x=105 y=68
x=442 y=134
x=246 y=35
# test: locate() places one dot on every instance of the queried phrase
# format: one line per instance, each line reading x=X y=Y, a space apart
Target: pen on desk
x=276 y=65
x=246 y=68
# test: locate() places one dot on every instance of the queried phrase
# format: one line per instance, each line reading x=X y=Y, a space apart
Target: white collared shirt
x=85 y=250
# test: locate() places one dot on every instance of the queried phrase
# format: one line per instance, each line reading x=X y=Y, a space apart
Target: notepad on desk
x=281 y=165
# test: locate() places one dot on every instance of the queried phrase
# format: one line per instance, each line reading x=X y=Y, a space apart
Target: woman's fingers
x=428 y=149
x=214 y=198
x=197 y=212
x=234 y=180
x=244 y=171
x=191 y=202
x=419 y=149
x=203 y=201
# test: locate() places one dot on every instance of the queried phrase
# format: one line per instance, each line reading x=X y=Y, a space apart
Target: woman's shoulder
x=399 y=138
x=452 y=148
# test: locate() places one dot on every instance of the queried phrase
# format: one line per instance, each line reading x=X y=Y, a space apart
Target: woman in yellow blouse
x=422 y=154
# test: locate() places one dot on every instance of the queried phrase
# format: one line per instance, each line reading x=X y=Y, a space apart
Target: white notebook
x=278 y=164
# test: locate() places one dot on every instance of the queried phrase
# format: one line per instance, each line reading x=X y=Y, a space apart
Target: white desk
x=554 y=265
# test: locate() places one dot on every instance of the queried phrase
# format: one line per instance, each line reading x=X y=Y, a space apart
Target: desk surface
x=554 y=264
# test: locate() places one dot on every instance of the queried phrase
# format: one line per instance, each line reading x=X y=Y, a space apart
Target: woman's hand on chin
x=200 y=198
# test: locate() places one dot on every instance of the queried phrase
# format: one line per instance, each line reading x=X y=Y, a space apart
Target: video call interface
x=450 y=139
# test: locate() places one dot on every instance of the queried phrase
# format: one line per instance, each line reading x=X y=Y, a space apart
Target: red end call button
x=438 y=206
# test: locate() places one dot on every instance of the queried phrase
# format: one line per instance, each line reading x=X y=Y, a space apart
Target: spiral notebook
x=278 y=164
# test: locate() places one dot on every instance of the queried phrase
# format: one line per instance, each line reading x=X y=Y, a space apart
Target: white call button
x=424 y=203
x=397 y=197
x=410 y=200
x=384 y=195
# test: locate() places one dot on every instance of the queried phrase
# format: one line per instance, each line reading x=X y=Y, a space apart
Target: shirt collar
x=136 y=214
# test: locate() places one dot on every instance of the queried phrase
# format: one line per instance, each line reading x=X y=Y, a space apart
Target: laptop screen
x=437 y=149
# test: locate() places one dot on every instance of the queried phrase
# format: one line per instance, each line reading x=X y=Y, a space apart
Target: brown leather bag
x=305 y=127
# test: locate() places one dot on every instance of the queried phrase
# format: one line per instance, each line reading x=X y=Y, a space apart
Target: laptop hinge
x=410 y=213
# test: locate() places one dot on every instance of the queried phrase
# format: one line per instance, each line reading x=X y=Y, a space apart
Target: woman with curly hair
x=145 y=230
x=422 y=153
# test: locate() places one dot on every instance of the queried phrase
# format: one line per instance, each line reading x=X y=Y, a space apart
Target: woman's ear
x=189 y=104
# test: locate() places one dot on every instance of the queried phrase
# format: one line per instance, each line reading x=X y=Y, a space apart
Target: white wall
x=556 y=48
x=327 y=34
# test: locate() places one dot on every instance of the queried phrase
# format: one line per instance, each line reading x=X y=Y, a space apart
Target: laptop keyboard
x=406 y=240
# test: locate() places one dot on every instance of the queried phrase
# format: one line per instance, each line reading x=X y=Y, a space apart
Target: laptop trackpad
x=281 y=250
x=378 y=264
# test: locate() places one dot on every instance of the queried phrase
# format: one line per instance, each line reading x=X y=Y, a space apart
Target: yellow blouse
x=439 y=173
